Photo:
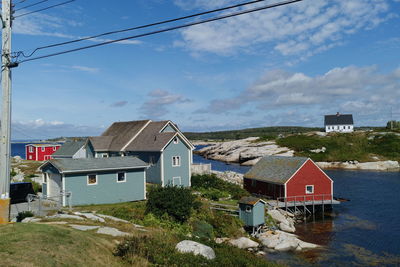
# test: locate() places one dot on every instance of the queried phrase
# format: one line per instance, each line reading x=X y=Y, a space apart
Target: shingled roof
x=339 y=119
x=95 y=164
x=275 y=169
x=68 y=149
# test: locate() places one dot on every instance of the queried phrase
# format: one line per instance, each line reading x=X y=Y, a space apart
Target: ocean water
x=364 y=231
x=18 y=149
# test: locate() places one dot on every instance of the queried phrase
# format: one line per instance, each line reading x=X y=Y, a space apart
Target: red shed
x=289 y=177
x=40 y=152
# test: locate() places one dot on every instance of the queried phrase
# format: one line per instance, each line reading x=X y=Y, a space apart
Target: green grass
x=362 y=146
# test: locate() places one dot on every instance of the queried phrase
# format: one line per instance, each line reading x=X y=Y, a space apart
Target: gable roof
x=137 y=136
x=123 y=132
x=95 y=164
x=339 y=119
x=275 y=169
x=68 y=149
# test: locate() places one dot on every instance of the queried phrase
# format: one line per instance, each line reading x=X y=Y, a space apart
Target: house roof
x=95 y=164
x=339 y=119
x=275 y=169
x=123 y=132
x=43 y=145
x=250 y=200
x=101 y=143
x=69 y=149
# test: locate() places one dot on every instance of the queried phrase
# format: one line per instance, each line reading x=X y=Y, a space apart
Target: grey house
x=75 y=150
x=160 y=144
x=95 y=180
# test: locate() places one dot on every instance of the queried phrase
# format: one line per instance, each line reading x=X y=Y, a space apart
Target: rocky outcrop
x=111 y=231
x=245 y=151
x=283 y=220
x=229 y=176
x=355 y=165
x=243 y=242
x=188 y=246
x=281 y=241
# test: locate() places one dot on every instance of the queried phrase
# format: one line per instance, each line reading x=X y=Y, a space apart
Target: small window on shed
x=121 y=177
x=248 y=209
x=176 y=140
x=92 y=179
x=309 y=189
x=253 y=183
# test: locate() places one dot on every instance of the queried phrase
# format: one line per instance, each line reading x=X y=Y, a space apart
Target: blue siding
x=183 y=171
x=153 y=173
x=90 y=150
x=107 y=189
x=168 y=129
x=255 y=217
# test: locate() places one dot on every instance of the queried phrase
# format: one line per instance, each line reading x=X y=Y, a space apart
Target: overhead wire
x=46 y=8
x=31 y=5
x=140 y=27
x=234 y=14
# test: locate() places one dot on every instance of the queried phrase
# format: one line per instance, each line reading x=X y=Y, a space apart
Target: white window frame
x=152 y=160
x=88 y=179
x=312 y=187
x=176 y=140
x=43 y=148
x=30 y=149
x=30 y=156
x=124 y=177
x=54 y=148
x=248 y=209
x=180 y=181
x=178 y=161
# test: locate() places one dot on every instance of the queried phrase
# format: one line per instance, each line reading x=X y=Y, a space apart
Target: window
x=54 y=148
x=121 y=177
x=248 y=209
x=104 y=155
x=45 y=177
x=176 y=161
x=176 y=140
x=176 y=181
x=92 y=179
x=30 y=156
x=152 y=160
x=309 y=189
x=43 y=148
x=30 y=149
x=253 y=183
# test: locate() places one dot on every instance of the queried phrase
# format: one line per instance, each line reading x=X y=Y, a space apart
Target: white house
x=342 y=123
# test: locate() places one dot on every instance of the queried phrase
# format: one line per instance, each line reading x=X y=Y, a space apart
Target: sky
x=288 y=65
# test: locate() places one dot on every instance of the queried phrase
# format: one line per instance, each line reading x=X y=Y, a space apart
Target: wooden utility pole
x=5 y=147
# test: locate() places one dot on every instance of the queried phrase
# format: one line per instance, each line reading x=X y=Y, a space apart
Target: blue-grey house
x=74 y=150
x=95 y=180
x=160 y=144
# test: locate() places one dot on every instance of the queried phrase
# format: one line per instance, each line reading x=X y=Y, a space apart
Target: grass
x=46 y=245
x=360 y=146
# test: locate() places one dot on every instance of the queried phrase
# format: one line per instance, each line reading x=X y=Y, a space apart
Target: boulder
x=112 y=218
x=188 y=246
x=282 y=241
x=83 y=227
x=65 y=216
x=243 y=242
x=287 y=227
x=111 y=231
x=220 y=240
x=31 y=220
x=277 y=216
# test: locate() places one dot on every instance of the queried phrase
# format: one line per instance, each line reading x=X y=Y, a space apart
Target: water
x=18 y=149
x=362 y=232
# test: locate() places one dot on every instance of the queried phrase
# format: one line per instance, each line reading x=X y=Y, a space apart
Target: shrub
x=225 y=225
x=177 y=202
x=212 y=182
x=213 y=194
x=24 y=214
x=203 y=230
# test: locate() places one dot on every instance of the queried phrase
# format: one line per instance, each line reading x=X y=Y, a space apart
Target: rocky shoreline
x=249 y=151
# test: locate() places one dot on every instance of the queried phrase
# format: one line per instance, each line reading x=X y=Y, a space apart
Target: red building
x=287 y=178
x=40 y=152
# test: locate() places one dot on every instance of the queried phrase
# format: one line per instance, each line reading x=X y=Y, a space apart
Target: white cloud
x=300 y=29
x=85 y=69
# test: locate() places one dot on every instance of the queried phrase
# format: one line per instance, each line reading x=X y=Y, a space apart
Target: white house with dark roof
x=342 y=123
x=159 y=143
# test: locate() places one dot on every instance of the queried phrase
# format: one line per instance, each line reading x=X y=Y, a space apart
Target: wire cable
x=31 y=5
x=164 y=30
x=39 y=10
x=138 y=27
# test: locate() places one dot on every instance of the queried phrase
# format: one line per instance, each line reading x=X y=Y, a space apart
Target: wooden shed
x=252 y=211
x=289 y=179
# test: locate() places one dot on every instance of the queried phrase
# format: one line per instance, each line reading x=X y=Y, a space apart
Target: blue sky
x=283 y=66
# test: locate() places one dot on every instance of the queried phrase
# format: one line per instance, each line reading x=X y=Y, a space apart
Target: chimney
x=337 y=114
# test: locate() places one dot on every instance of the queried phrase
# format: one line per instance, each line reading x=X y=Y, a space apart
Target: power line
x=28 y=6
x=139 y=27
x=39 y=10
x=164 y=30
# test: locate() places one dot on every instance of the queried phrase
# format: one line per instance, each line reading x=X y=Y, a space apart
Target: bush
x=24 y=214
x=177 y=202
x=212 y=182
x=203 y=230
x=213 y=194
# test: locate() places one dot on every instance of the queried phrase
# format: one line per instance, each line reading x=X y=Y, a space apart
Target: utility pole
x=5 y=138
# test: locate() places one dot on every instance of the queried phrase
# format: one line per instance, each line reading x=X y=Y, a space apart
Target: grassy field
x=359 y=146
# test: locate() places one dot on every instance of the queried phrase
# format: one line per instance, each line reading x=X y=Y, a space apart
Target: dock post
x=323 y=210
x=304 y=207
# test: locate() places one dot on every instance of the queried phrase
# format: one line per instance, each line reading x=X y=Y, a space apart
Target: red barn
x=289 y=177
x=40 y=152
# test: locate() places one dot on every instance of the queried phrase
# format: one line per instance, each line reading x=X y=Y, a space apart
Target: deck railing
x=305 y=200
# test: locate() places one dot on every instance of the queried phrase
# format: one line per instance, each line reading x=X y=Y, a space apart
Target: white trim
x=162 y=169
x=190 y=169
x=43 y=149
x=136 y=135
x=30 y=148
x=179 y=132
x=63 y=189
x=87 y=178
x=176 y=140
x=178 y=160
x=312 y=191
x=124 y=181
x=37 y=156
x=183 y=139
x=144 y=184
x=323 y=173
x=177 y=177
x=107 y=169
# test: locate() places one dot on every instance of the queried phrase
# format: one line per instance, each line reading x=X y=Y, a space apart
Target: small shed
x=252 y=211
x=95 y=180
x=288 y=178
